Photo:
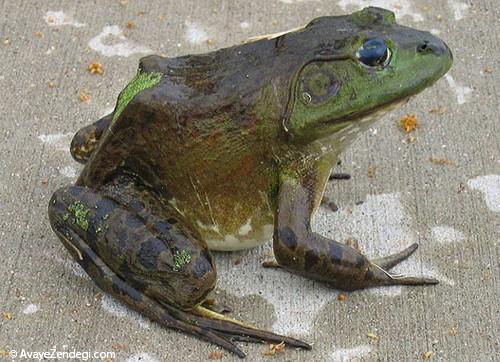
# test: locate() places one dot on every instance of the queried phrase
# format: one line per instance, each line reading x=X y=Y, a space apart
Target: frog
x=229 y=149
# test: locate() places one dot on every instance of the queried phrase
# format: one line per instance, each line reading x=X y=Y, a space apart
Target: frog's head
x=364 y=65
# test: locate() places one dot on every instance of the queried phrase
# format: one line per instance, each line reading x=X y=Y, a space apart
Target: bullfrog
x=226 y=150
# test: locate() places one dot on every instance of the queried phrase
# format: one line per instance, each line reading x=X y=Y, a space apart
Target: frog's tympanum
x=226 y=150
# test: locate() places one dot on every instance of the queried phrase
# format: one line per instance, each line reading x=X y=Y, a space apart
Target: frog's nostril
x=427 y=46
x=423 y=47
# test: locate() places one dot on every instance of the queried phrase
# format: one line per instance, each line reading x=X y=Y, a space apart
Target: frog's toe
x=378 y=270
x=376 y=276
x=391 y=261
x=237 y=330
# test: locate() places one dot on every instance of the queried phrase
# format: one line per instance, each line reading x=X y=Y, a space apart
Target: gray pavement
x=438 y=186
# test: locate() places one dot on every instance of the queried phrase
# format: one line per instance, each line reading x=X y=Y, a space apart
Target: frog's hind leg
x=86 y=139
x=124 y=247
x=109 y=282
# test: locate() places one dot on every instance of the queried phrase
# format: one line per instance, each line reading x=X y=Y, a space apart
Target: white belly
x=245 y=237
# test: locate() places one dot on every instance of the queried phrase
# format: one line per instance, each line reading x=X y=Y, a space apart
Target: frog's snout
x=432 y=52
x=435 y=46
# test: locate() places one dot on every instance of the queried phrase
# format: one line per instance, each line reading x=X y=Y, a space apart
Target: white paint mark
x=461 y=92
x=489 y=185
x=122 y=48
x=195 y=33
x=60 y=141
x=400 y=7
x=446 y=234
x=76 y=269
x=120 y=310
x=58 y=18
x=351 y=354
x=244 y=25
x=30 y=309
x=459 y=8
x=435 y=31
x=142 y=357
x=68 y=171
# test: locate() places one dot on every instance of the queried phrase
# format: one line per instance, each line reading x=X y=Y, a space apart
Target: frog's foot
x=85 y=140
x=300 y=250
x=346 y=268
x=126 y=250
x=377 y=273
x=379 y=267
x=201 y=322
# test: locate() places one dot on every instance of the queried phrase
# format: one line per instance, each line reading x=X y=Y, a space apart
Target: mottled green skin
x=230 y=148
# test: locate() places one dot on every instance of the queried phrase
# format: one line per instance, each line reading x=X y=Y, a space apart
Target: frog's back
x=198 y=85
x=229 y=76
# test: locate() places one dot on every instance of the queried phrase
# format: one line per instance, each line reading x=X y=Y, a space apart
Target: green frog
x=226 y=150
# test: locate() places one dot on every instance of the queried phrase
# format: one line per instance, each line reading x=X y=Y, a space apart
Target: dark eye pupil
x=373 y=52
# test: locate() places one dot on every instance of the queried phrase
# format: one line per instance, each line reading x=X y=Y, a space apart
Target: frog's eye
x=374 y=53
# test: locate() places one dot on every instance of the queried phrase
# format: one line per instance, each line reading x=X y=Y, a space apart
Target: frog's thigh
x=146 y=251
x=86 y=139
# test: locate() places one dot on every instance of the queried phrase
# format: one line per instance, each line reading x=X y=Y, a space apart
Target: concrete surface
x=442 y=190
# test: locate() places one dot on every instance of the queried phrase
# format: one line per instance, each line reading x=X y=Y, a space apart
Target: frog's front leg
x=152 y=262
x=85 y=141
x=300 y=250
